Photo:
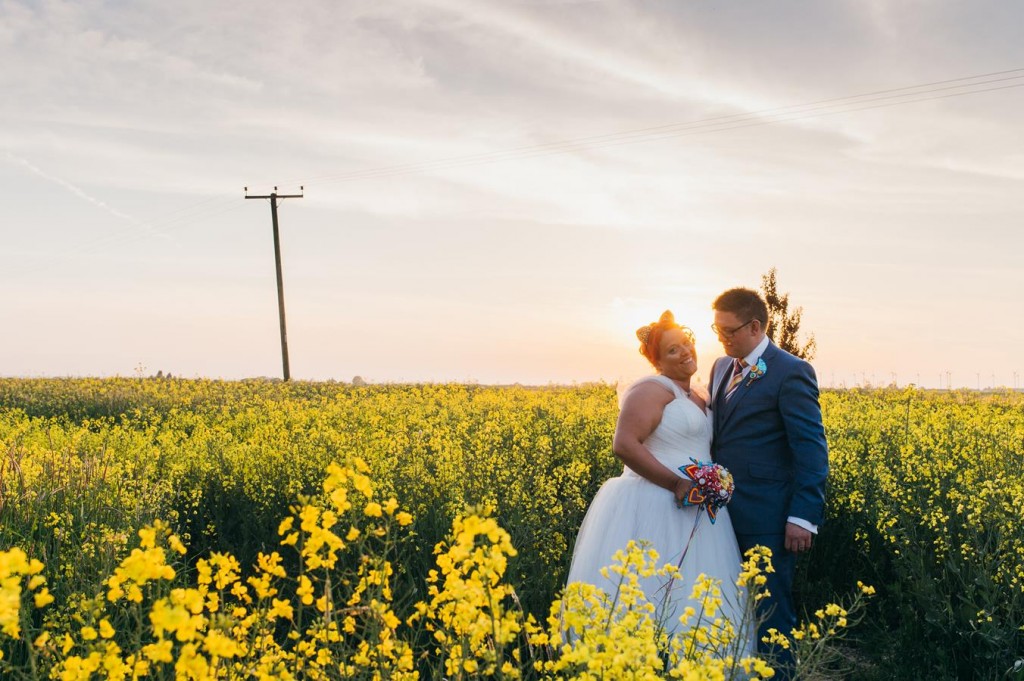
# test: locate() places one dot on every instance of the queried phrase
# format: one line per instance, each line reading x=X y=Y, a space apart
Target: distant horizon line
x=359 y=381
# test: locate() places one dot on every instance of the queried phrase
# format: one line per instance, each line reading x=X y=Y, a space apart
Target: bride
x=663 y=423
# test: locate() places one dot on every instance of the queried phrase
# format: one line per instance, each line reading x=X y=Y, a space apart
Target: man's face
x=738 y=336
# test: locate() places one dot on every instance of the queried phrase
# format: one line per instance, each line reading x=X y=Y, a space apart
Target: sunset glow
x=502 y=192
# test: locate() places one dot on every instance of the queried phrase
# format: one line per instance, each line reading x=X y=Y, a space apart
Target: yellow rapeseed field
x=205 y=529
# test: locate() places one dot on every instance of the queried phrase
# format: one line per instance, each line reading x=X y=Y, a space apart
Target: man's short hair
x=744 y=303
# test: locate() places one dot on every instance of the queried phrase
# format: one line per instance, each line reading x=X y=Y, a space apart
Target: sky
x=503 y=191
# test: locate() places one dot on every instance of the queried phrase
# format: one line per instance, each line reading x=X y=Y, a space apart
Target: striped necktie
x=738 y=365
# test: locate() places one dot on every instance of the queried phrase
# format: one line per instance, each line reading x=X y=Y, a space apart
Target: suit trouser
x=781 y=613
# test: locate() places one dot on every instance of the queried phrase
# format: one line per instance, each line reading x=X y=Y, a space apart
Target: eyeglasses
x=728 y=333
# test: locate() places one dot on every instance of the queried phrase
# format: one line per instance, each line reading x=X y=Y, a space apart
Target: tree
x=784 y=324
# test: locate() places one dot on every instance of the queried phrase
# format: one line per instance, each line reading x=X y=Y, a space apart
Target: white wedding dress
x=631 y=507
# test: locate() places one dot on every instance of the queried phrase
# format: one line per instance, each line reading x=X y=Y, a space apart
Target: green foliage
x=925 y=503
x=222 y=461
x=783 y=323
x=925 y=490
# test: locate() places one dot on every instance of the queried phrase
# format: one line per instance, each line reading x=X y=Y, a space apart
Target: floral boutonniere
x=757 y=370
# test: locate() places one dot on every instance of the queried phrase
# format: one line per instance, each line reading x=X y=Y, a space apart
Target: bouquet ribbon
x=712 y=489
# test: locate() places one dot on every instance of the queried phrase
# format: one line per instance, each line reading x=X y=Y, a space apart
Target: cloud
x=68 y=186
x=83 y=195
x=159 y=113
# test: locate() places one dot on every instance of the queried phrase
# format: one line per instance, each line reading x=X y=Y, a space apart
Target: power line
x=848 y=104
x=683 y=130
x=953 y=87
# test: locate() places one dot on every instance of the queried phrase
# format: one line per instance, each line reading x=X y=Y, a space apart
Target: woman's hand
x=682 y=490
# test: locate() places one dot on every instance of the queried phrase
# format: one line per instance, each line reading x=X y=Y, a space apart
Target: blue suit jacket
x=770 y=436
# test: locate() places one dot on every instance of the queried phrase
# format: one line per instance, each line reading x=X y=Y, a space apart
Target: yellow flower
x=148 y=537
x=106 y=630
x=833 y=610
x=42 y=598
x=305 y=590
x=363 y=486
x=280 y=609
x=158 y=652
x=271 y=564
x=219 y=645
x=865 y=589
x=175 y=543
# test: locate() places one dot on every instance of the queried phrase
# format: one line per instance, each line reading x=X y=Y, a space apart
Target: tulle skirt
x=630 y=507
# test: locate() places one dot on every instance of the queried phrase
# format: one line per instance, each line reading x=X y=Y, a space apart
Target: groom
x=768 y=433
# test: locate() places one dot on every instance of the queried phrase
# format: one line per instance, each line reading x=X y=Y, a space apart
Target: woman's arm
x=641 y=413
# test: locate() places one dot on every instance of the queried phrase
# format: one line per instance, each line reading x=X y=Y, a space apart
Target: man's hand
x=798 y=539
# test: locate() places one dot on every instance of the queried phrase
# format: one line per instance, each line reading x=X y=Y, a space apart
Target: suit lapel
x=728 y=407
x=720 y=377
x=722 y=408
x=717 y=385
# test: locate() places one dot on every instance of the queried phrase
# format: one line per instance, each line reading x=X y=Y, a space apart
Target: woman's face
x=677 y=358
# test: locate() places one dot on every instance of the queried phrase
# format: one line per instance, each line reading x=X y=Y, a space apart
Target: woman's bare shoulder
x=651 y=389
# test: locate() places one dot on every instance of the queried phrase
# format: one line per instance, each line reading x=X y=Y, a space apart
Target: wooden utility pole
x=274 y=196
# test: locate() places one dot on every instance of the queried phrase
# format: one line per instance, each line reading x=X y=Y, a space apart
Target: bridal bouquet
x=713 y=486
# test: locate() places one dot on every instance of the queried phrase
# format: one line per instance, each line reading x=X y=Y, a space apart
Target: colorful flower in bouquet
x=712 y=486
